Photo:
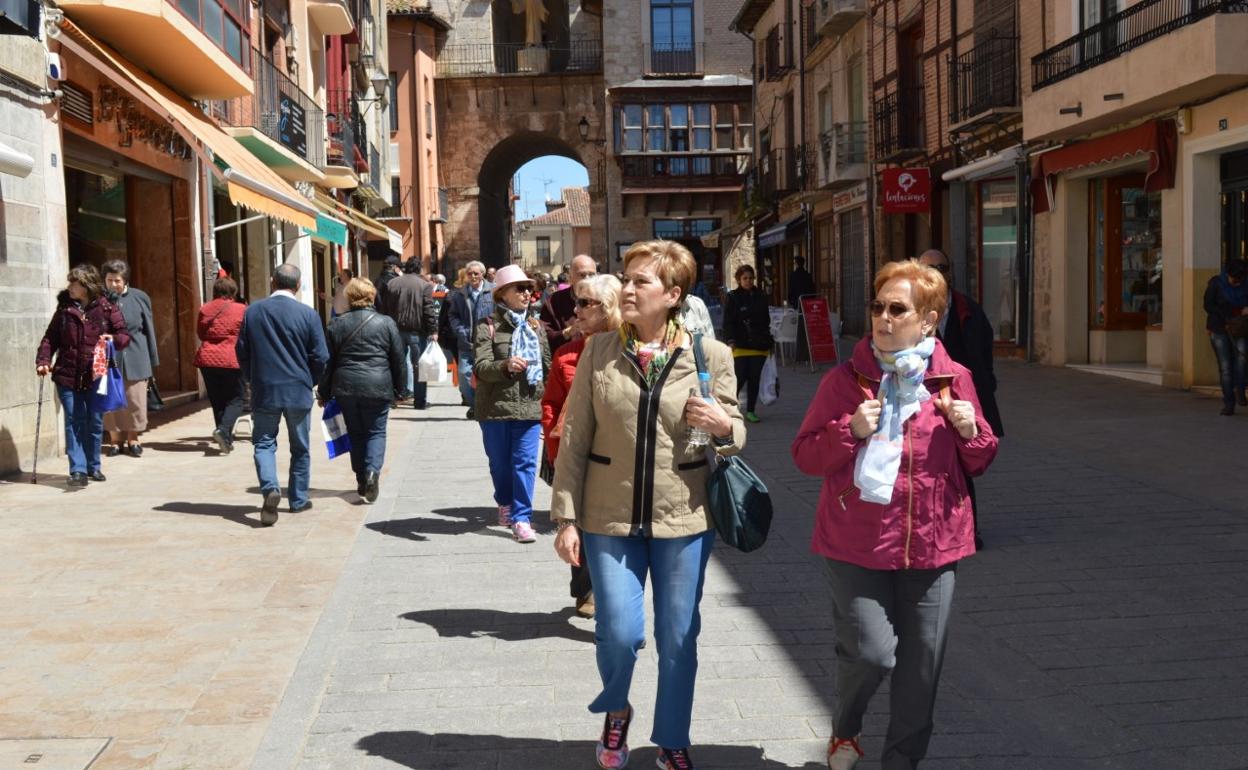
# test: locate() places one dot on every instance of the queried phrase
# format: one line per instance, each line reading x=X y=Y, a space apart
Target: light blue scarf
x=902 y=394
x=525 y=344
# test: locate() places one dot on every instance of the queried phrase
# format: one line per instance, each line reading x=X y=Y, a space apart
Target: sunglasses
x=895 y=310
x=522 y=289
x=583 y=303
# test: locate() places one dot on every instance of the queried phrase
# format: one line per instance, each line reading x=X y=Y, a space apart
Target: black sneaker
x=372 y=483
x=674 y=759
x=612 y=749
x=97 y=476
x=268 y=511
x=77 y=479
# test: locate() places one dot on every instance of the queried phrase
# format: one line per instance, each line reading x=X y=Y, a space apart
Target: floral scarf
x=525 y=344
x=652 y=359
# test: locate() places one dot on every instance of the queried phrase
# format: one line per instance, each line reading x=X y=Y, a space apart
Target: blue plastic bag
x=109 y=394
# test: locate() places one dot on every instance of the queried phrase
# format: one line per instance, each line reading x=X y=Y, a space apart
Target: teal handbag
x=739 y=501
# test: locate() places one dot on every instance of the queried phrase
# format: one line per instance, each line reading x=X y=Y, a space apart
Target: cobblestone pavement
x=1104 y=626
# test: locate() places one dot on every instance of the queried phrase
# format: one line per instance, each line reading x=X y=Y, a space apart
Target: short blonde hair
x=360 y=292
x=605 y=288
x=674 y=265
x=927 y=286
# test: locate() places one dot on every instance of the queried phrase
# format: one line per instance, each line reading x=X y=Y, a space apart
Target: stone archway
x=494 y=210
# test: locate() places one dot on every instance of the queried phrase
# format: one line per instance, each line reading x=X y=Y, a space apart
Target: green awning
x=329 y=229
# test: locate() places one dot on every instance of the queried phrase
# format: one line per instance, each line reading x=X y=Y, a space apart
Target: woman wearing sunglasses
x=597 y=309
x=892 y=432
x=512 y=359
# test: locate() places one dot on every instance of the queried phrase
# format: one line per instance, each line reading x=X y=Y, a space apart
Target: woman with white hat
x=512 y=362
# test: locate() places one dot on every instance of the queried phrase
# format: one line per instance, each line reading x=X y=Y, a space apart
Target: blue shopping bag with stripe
x=337 y=442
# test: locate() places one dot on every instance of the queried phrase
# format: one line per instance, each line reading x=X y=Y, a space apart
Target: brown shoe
x=585 y=606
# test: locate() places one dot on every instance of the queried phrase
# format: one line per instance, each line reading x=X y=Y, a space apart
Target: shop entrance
x=114 y=214
x=1234 y=206
x=998 y=256
x=1125 y=264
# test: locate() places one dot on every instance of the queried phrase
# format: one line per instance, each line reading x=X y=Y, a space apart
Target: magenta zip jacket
x=928 y=524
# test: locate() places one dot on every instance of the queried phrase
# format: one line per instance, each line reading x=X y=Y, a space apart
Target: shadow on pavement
x=183 y=445
x=501 y=625
x=313 y=493
x=413 y=749
x=461 y=521
x=234 y=513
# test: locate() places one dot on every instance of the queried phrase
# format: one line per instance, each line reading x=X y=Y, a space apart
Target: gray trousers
x=890 y=622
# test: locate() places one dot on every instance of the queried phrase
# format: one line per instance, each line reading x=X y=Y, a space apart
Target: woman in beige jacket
x=630 y=492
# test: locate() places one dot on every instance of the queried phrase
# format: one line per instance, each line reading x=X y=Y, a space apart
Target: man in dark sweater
x=281 y=351
x=409 y=301
x=966 y=333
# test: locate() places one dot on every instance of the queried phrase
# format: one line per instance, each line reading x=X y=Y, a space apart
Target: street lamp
x=583 y=128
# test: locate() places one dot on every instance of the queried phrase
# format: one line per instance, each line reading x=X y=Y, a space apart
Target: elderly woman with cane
x=83 y=317
x=894 y=432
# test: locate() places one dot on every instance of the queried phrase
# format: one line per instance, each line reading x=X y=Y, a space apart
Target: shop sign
x=292 y=126
x=854 y=196
x=819 y=337
x=907 y=190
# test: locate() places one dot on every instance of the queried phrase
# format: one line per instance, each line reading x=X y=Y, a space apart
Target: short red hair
x=928 y=289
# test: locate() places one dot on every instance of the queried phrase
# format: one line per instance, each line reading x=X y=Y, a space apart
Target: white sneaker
x=843 y=753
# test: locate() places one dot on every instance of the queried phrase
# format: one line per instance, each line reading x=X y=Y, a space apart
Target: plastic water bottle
x=698 y=437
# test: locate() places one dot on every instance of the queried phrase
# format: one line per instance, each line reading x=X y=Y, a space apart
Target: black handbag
x=154 y=402
x=739 y=501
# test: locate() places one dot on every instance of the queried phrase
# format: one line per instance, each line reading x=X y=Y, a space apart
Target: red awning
x=1158 y=140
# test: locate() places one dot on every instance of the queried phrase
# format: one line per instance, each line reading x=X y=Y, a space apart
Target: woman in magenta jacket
x=894 y=433
x=219 y=323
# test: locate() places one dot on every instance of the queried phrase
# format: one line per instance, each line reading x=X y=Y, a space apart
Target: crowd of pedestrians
x=600 y=381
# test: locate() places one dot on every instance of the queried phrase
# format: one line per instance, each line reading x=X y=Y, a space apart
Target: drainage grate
x=50 y=753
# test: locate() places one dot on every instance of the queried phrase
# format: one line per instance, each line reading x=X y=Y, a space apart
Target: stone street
x=1103 y=627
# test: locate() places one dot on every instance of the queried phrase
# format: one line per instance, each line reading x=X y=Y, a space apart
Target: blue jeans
x=419 y=390
x=84 y=429
x=677 y=568
x=465 y=377
x=366 y=427
x=512 y=446
x=264 y=424
x=1232 y=365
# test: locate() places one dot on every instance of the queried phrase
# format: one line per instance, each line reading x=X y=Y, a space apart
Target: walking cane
x=34 y=464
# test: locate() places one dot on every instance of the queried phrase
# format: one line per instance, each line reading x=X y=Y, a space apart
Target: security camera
x=56 y=68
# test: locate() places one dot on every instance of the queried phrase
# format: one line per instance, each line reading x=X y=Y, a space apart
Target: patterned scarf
x=902 y=394
x=525 y=344
x=651 y=358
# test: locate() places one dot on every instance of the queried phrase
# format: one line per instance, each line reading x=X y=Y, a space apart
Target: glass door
x=998 y=267
x=1126 y=264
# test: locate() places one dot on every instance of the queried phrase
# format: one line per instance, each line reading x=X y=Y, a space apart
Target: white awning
x=990 y=165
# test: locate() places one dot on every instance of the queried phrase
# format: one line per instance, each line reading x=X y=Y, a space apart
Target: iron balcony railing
x=851 y=143
x=345 y=129
x=675 y=58
x=983 y=79
x=899 y=123
x=1131 y=28
x=580 y=55
x=401 y=208
x=781 y=171
x=280 y=110
x=684 y=169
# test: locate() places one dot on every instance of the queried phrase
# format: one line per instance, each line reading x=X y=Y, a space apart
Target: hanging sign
x=292 y=125
x=819 y=337
x=907 y=190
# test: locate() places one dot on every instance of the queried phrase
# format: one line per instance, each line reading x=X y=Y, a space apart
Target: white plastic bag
x=769 y=388
x=432 y=364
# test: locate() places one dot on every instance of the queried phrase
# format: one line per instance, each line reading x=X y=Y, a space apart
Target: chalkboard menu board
x=292 y=129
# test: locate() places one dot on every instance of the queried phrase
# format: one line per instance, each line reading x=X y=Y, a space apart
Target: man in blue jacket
x=469 y=304
x=281 y=351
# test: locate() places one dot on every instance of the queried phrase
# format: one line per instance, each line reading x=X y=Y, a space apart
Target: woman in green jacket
x=512 y=361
